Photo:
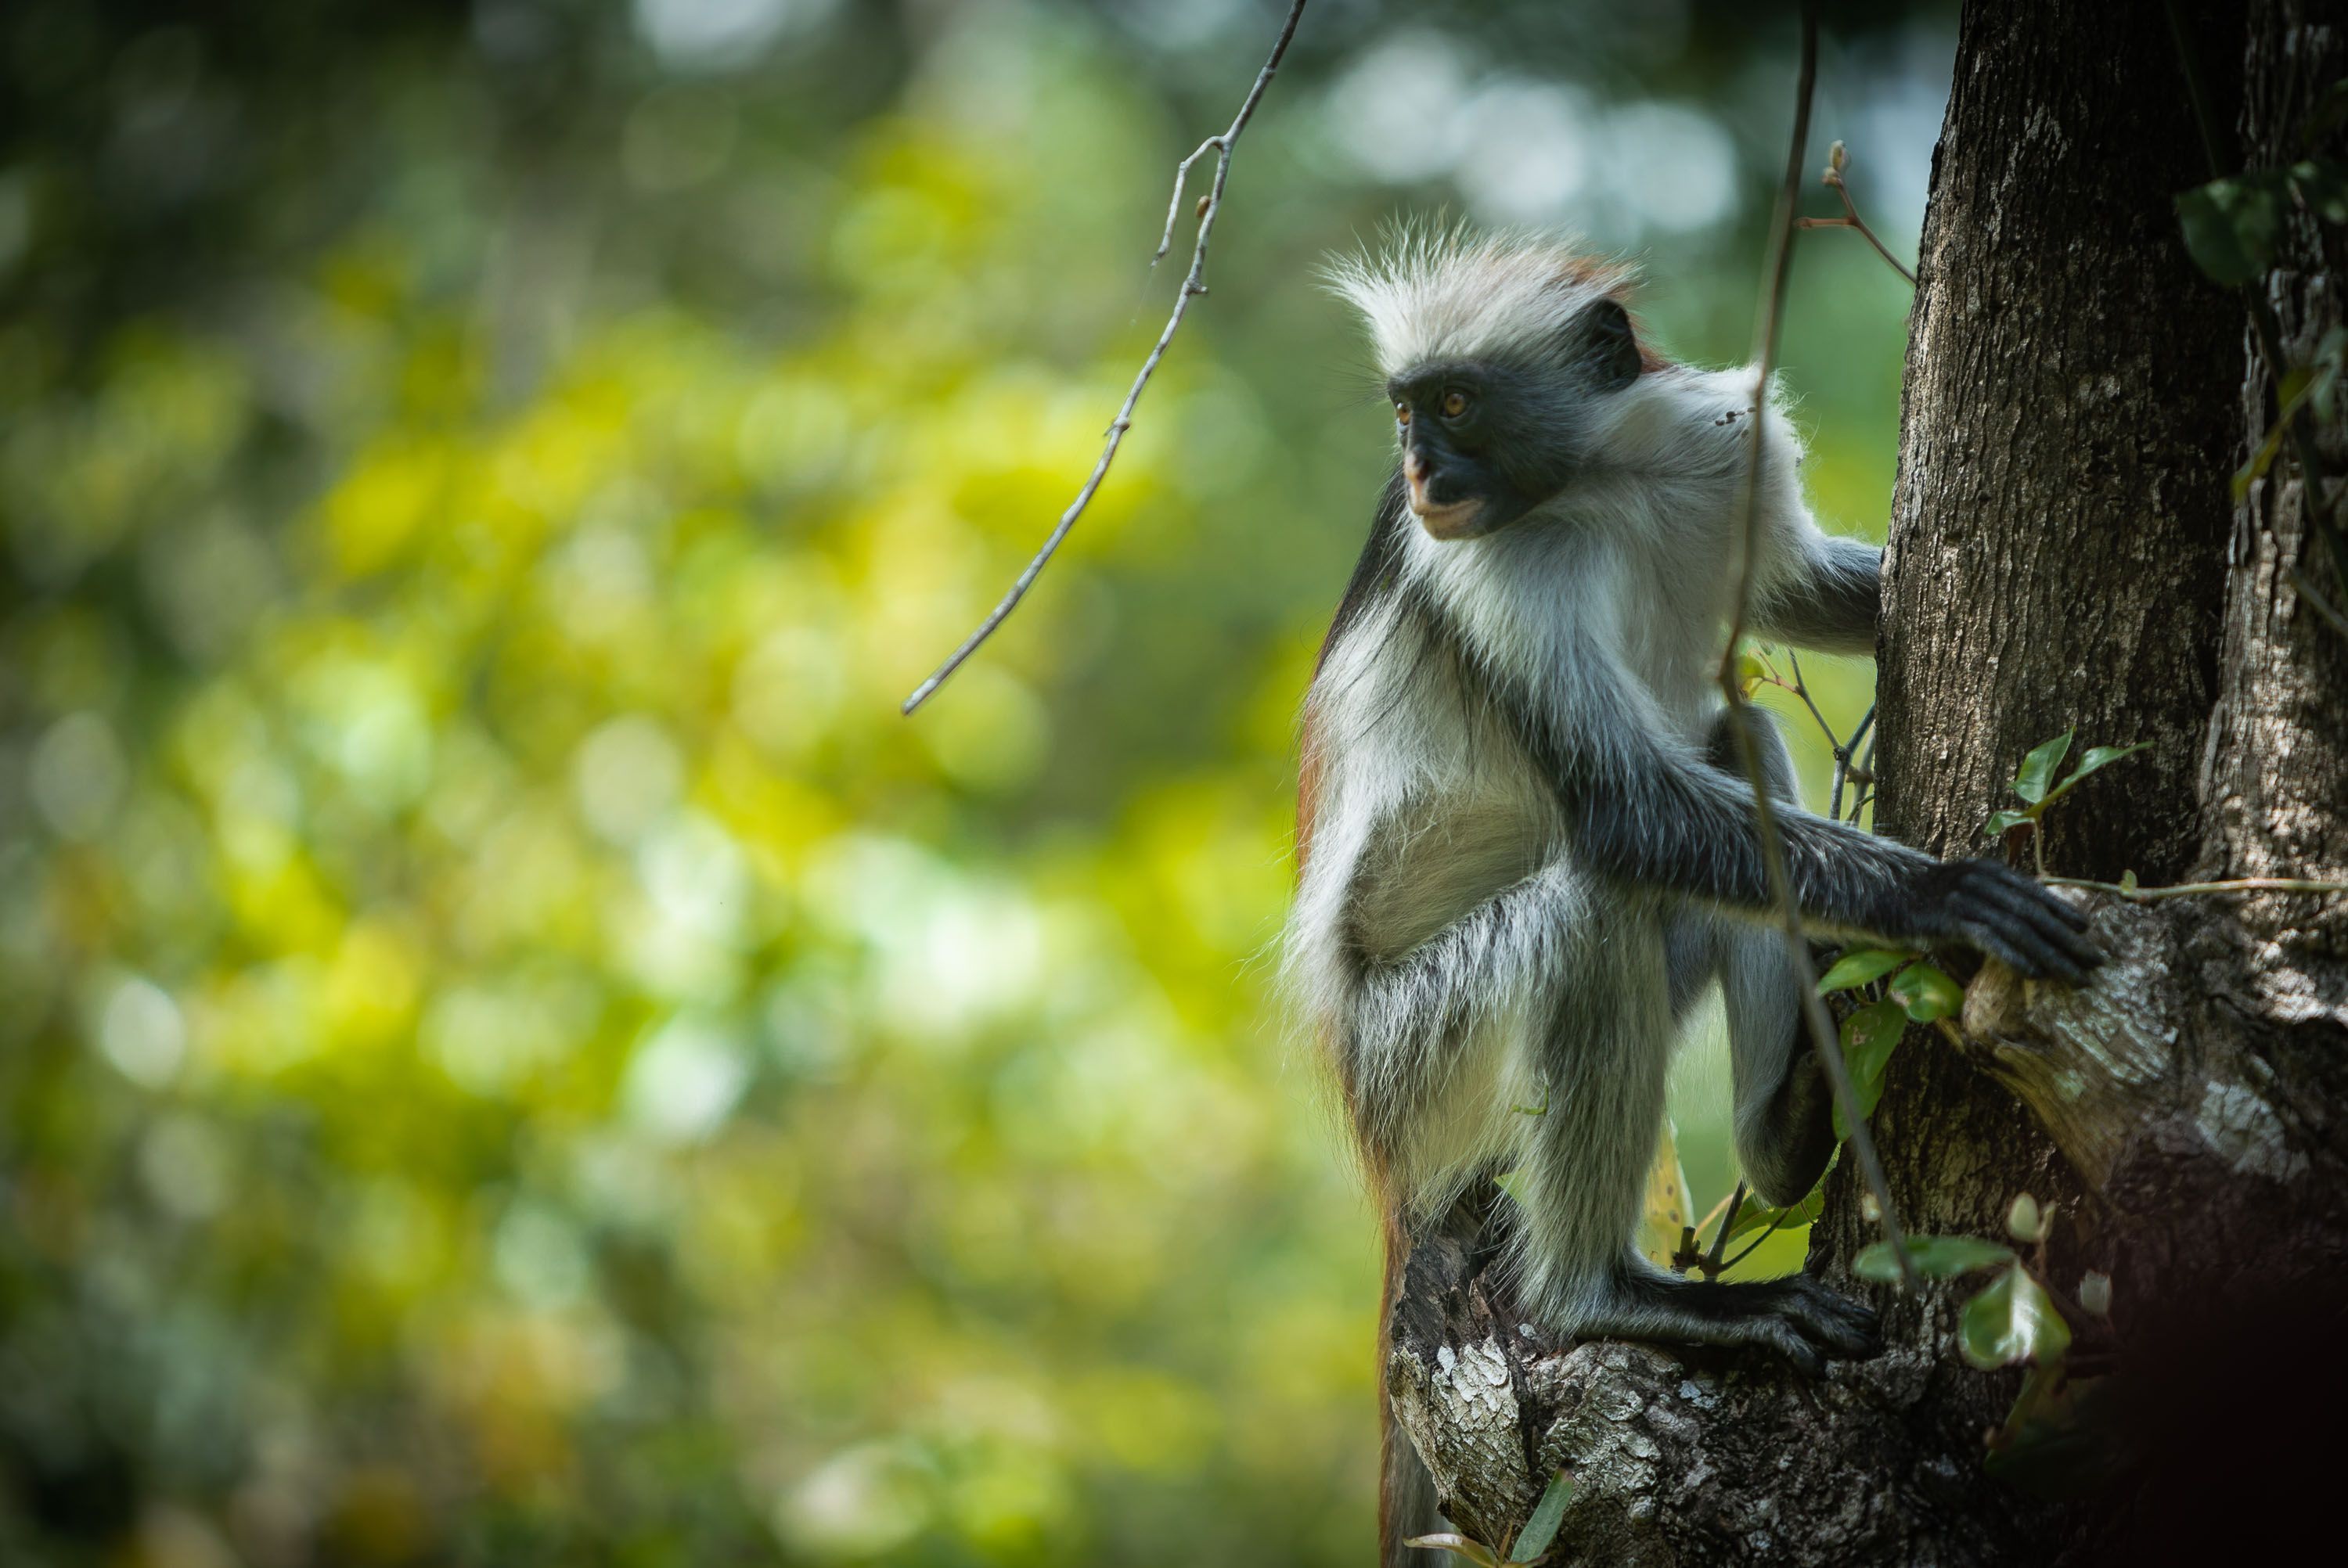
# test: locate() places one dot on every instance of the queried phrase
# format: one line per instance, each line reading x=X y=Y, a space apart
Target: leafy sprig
x=2034 y=784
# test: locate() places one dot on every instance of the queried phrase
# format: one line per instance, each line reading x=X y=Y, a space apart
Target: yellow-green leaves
x=1665 y=1211
x=1756 y=1215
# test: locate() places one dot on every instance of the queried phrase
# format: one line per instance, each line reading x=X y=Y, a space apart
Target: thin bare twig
x=1842 y=760
x=1850 y=217
x=1864 y=772
x=1775 y=1220
x=1802 y=689
x=1193 y=285
x=2194 y=889
x=1719 y=1209
x=1720 y=1237
x=1773 y=852
x=2314 y=596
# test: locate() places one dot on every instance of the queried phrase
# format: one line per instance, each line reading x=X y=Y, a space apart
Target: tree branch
x=1193 y=285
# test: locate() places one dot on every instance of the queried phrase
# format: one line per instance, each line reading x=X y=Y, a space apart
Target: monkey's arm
x=1827 y=598
x=1647 y=808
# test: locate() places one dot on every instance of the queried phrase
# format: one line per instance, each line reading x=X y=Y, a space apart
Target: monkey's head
x=1502 y=356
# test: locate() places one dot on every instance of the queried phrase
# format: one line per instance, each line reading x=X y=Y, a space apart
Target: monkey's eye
x=1454 y=403
x=1402 y=413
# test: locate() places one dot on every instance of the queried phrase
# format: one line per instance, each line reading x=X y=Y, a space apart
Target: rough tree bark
x=2064 y=552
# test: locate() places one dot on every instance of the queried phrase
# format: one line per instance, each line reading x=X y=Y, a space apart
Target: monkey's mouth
x=1451 y=520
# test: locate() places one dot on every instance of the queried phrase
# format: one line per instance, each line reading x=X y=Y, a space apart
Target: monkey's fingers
x=2021 y=892
x=2050 y=917
x=2013 y=940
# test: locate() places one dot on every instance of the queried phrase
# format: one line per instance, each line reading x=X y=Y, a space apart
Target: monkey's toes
x=1780 y=1335
x=1843 y=1327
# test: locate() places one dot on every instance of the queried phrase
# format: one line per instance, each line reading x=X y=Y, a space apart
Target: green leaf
x=2128 y=881
x=2250 y=472
x=2037 y=769
x=2002 y=822
x=2024 y=1221
x=2299 y=384
x=2323 y=184
x=1858 y=966
x=1512 y=1182
x=2101 y=757
x=2065 y=1438
x=1927 y=993
x=1935 y=1257
x=2330 y=109
x=2012 y=1321
x=1867 y=1036
x=2230 y=226
x=1756 y=1215
x=1476 y=1552
x=1541 y=1528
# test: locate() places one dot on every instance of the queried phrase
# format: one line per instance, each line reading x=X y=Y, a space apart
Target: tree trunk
x=2064 y=554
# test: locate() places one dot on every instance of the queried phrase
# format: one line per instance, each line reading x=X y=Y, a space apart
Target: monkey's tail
x=1406 y=1503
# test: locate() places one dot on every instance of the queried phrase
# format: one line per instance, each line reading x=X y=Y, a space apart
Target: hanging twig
x=1850 y=217
x=1773 y=854
x=1193 y=285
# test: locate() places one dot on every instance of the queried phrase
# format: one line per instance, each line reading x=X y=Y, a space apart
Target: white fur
x=1451 y=294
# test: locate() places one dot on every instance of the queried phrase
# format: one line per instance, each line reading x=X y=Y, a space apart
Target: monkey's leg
x=1585 y=1162
x=1784 y=1110
x=1784 y=1116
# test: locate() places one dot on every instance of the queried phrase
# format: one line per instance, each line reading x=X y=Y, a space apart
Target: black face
x=1484 y=442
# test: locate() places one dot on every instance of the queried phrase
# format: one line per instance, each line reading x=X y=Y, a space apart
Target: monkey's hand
x=2010 y=917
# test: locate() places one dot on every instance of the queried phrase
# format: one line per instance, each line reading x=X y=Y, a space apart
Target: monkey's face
x=1486 y=442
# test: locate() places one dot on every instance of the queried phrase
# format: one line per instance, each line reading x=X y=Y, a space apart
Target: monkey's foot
x=1796 y=1317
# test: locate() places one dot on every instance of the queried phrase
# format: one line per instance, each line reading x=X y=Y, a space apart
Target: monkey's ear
x=1611 y=346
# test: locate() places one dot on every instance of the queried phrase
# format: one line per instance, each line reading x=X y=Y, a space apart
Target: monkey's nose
x=1416 y=474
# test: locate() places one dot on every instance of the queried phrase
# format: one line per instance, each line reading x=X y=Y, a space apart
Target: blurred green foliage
x=510 y=1051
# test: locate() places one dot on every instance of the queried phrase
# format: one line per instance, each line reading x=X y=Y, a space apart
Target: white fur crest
x=1455 y=293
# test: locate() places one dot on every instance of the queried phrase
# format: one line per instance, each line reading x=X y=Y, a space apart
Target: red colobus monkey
x=1526 y=844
